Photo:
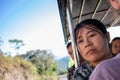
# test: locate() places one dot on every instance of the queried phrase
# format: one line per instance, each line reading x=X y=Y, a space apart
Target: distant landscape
x=62 y=63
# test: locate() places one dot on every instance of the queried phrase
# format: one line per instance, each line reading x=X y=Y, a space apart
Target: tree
x=43 y=60
x=18 y=43
x=1 y=41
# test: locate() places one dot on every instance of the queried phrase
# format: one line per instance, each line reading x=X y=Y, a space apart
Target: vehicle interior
x=74 y=11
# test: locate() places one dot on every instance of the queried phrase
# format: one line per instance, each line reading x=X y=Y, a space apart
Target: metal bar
x=71 y=29
x=106 y=13
x=98 y=4
x=115 y=21
x=90 y=13
x=62 y=12
x=70 y=1
x=81 y=11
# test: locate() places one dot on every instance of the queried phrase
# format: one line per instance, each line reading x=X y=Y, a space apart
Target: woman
x=92 y=41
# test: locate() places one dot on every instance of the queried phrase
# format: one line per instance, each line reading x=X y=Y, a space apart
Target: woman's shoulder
x=106 y=68
x=107 y=65
x=83 y=71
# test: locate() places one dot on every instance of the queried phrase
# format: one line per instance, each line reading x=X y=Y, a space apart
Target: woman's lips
x=90 y=51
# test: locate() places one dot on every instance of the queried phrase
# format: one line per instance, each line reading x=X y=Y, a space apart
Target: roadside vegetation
x=33 y=65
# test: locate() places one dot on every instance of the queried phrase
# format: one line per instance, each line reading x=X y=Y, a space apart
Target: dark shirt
x=83 y=71
x=70 y=72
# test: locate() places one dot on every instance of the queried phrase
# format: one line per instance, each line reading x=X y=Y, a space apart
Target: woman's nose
x=87 y=43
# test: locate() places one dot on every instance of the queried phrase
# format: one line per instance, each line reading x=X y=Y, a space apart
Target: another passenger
x=115 y=46
x=71 y=63
x=115 y=4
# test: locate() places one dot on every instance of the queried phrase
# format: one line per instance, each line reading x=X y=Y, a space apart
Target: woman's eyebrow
x=79 y=36
x=91 y=31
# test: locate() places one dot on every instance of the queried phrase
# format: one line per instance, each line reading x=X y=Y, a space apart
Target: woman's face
x=116 y=46
x=91 y=44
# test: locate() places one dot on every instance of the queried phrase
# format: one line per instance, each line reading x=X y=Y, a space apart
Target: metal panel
x=84 y=9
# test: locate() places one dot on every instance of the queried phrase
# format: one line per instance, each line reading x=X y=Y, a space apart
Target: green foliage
x=15 y=66
x=18 y=43
x=61 y=72
x=38 y=64
x=1 y=41
x=43 y=60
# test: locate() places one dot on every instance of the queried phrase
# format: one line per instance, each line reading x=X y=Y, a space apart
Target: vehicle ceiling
x=85 y=9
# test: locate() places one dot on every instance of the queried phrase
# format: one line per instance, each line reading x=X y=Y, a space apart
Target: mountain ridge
x=62 y=63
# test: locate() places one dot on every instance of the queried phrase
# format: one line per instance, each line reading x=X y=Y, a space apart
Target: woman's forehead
x=116 y=41
x=90 y=28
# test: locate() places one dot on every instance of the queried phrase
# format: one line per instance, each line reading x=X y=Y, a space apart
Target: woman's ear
x=108 y=36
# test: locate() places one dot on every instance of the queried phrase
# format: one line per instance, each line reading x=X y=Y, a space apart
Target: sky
x=37 y=23
x=114 y=32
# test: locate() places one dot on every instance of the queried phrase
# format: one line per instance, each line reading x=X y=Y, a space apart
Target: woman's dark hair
x=116 y=38
x=68 y=44
x=99 y=25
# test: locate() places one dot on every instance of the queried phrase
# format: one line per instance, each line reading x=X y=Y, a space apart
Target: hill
x=62 y=64
x=17 y=69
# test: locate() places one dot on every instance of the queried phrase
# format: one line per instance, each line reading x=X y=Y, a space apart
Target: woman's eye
x=115 y=46
x=80 y=41
x=92 y=35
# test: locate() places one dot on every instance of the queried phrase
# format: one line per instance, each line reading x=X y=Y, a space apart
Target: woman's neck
x=107 y=56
